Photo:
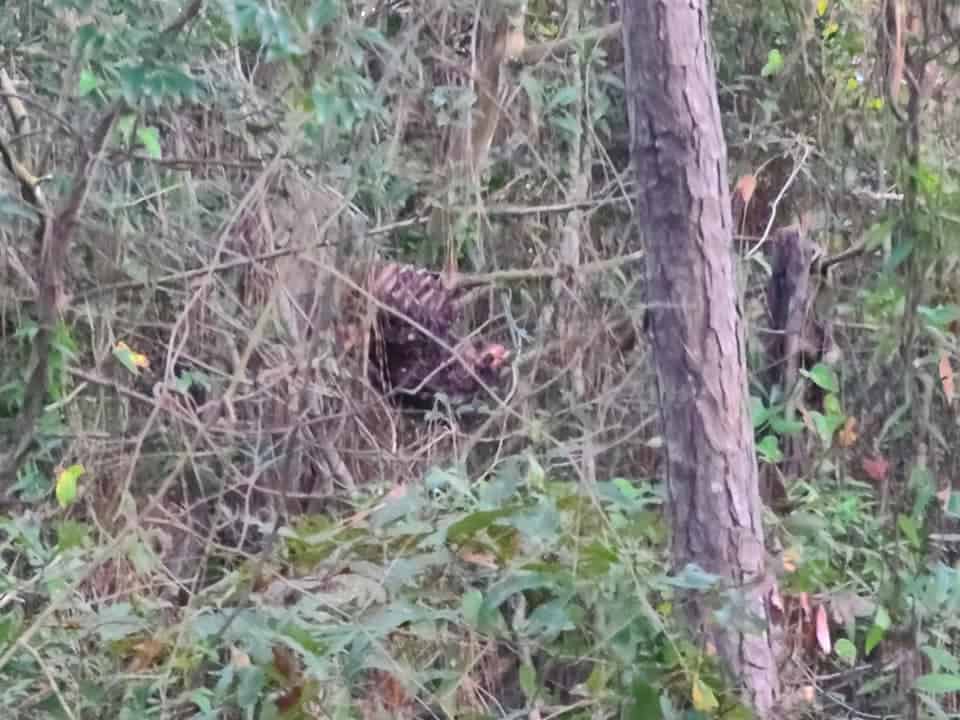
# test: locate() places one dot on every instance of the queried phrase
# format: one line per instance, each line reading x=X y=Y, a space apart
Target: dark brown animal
x=415 y=352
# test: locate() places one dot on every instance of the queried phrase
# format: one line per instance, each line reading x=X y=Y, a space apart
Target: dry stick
x=15 y=106
x=463 y=280
x=41 y=618
x=52 y=680
x=505 y=210
x=537 y=53
x=56 y=237
x=65 y=222
x=9 y=93
x=471 y=279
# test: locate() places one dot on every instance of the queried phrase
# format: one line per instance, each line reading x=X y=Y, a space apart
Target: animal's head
x=486 y=359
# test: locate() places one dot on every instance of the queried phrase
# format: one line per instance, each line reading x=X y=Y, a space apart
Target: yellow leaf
x=535 y=473
x=132 y=360
x=66 y=487
x=703 y=698
x=791 y=557
x=822 y=7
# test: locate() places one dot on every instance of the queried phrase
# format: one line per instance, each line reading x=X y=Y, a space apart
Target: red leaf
x=876 y=468
x=823 y=630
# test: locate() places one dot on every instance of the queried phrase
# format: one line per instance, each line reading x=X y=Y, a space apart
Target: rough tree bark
x=684 y=221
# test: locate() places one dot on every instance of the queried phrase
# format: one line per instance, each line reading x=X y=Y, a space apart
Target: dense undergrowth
x=511 y=561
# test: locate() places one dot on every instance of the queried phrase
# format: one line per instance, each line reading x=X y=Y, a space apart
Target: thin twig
x=776 y=202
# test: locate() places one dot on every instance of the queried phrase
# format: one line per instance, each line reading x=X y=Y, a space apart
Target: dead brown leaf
x=146 y=653
x=847 y=437
x=486 y=560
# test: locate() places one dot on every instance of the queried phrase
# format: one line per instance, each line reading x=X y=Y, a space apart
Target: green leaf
x=823 y=376
x=549 y=620
x=878 y=234
x=87 y=83
x=704 y=699
x=13 y=207
x=846 y=650
x=149 y=138
x=758 y=412
x=774 y=64
x=520 y=582
x=66 y=484
x=528 y=680
x=252 y=682
x=132 y=82
x=72 y=534
x=909 y=529
x=564 y=96
x=769 y=449
x=533 y=88
x=693 y=577
x=941 y=659
x=831 y=405
x=597 y=559
x=938 y=683
x=471 y=606
x=321 y=14
x=900 y=252
x=953 y=505
x=565 y=122
x=645 y=703
x=826 y=426
x=9 y=628
x=598 y=680
x=782 y=426
x=939 y=316
x=469 y=526
x=535 y=473
x=874 y=636
x=124 y=127
x=882 y=618
x=127 y=358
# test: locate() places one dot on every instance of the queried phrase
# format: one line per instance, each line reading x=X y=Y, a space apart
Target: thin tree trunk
x=683 y=216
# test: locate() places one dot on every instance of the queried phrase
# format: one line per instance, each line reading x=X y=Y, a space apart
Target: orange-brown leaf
x=740 y=199
x=486 y=560
x=284 y=662
x=946 y=377
x=289 y=699
x=147 y=652
x=745 y=188
x=847 y=437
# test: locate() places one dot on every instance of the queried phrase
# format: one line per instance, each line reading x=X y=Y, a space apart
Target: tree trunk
x=683 y=214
